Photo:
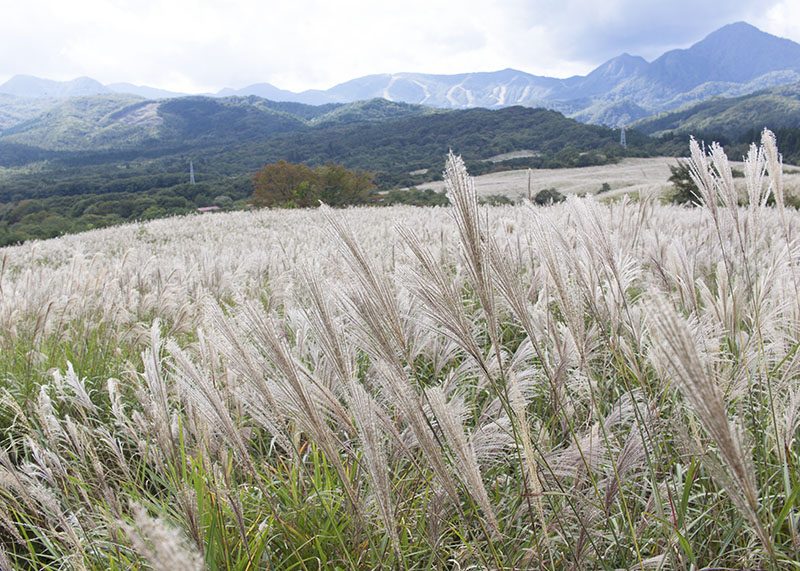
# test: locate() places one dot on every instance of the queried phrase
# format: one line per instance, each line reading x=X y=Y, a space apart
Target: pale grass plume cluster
x=582 y=386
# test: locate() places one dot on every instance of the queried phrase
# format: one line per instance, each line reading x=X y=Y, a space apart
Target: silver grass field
x=581 y=386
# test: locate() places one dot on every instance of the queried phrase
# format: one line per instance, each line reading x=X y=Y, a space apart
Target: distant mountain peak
x=36 y=87
x=624 y=62
x=736 y=53
x=736 y=27
x=738 y=32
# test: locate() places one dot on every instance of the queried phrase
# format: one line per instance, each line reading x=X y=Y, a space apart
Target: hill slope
x=774 y=108
x=116 y=122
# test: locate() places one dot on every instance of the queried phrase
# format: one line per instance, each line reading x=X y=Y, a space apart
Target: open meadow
x=637 y=177
x=581 y=386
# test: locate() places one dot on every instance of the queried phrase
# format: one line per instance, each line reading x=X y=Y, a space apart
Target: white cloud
x=782 y=19
x=203 y=45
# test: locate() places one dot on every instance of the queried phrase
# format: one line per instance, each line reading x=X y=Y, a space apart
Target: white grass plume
x=674 y=348
x=162 y=546
x=465 y=461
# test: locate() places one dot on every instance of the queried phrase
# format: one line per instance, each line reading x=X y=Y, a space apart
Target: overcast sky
x=205 y=45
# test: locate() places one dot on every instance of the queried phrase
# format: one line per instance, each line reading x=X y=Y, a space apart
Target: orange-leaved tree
x=284 y=184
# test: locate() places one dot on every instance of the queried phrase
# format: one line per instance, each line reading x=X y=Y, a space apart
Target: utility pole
x=529 y=184
x=191 y=173
x=622 y=140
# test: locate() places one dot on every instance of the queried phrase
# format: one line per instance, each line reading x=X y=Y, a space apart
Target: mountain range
x=735 y=60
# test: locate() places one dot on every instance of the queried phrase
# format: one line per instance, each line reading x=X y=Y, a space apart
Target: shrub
x=685 y=190
x=496 y=200
x=548 y=196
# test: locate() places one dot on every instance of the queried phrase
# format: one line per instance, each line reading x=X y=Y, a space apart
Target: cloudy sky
x=204 y=45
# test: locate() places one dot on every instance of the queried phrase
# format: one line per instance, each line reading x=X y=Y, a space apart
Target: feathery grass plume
x=77 y=386
x=529 y=454
x=723 y=176
x=46 y=515
x=7 y=524
x=630 y=459
x=372 y=438
x=491 y=440
x=329 y=332
x=154 y=394
x=774 y=167
x=758 y=193
x=162 y=546
x=49 y=423
x=254 y=393
x=449 y=417
x=5 y=562
x=205 y=393
x=704 y=177
x=397 y=389
x=306 y=397
x=508 y=282
x=375 y=300
x=582 y=458
x=442 y=300
x=473 y=236
x=673 y=349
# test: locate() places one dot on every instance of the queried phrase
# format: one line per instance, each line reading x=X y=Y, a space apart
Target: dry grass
x=584 y=386
x=637 y=177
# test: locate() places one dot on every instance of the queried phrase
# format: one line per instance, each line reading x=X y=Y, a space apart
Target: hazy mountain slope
x=265 y=90
x=143 y=91
x=774 y=108
x=89 y=123
x=15 y=110
x=123 y=121
x=302 y=111
x=34 y=87
x=372 y=111
x=622 y=112
x=603 y=79
x=391 y=147
x=197 y=120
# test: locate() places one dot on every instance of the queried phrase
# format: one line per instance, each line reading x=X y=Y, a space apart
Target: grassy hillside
x=583 y=386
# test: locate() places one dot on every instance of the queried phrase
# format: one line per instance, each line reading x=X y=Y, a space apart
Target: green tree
x=223 y=201
x=339 y=186
x=686 y=191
